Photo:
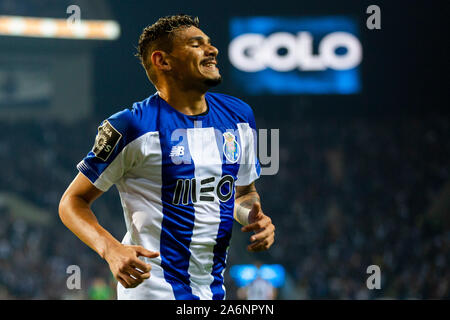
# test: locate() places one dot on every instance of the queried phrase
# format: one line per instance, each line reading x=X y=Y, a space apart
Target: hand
x=262 y=226
x=125 y=265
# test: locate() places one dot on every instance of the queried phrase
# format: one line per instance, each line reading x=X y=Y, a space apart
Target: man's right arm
x=76 y=214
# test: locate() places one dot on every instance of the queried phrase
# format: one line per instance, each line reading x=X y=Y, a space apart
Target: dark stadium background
x=364 y=179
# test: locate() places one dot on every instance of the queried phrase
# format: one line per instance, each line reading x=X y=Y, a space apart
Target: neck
x=190 y=102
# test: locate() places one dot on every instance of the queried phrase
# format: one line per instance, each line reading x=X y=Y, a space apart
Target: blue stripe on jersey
x=86 y=169
x=224 y=233
x=177 y=224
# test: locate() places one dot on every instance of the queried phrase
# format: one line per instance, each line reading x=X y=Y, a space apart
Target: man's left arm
x=247 y=211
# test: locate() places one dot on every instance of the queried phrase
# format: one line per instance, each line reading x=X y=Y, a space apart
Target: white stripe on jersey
x=208 y=163
x=247 y=170
x=144 y=215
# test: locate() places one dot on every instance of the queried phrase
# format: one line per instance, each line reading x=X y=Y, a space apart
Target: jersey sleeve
x=249 y=167
x=112 y=154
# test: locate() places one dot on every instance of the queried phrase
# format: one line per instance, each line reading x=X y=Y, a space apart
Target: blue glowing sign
x=275 y=55
x=244 y=274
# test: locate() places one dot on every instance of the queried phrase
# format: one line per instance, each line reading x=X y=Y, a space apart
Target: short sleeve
x=112 y=154
x=249 y=166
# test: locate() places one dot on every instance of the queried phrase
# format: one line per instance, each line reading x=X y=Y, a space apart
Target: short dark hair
x=160 y=35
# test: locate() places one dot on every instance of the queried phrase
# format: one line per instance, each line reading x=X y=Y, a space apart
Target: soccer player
x=184 y=162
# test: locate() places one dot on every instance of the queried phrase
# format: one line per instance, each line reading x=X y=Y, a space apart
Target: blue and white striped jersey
x=176 y=176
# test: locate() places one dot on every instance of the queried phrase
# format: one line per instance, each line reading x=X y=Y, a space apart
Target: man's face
x=193 y=58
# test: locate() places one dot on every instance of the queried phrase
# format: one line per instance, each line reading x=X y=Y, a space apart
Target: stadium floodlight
x=18 y=26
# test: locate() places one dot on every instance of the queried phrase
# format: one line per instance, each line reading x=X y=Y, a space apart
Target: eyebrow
x=199 y=38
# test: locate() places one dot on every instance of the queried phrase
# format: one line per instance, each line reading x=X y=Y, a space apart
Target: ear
x=160 y=61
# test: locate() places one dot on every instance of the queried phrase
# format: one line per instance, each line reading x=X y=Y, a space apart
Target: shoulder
x=232 y=103
x=136 y=120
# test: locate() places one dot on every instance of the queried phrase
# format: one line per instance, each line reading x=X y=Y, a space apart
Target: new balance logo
x=177 y=151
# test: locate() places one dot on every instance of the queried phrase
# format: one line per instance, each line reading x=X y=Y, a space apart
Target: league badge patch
x=106 y=140
x=231 y=148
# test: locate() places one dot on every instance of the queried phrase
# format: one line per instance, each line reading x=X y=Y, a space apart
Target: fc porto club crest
x=231 y=148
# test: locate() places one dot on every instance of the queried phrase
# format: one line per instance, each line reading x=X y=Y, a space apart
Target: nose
x=212 y=51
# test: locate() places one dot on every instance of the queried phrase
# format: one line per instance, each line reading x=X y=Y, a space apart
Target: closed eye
x=197 y=41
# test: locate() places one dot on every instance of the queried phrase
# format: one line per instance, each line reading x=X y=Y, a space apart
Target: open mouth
x=210 y=64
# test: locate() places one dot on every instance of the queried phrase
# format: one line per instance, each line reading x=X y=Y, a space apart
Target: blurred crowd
x=39 y=159
x=350 y=193
x=356 y=192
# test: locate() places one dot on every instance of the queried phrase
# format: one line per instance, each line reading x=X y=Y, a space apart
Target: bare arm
x=76 y=214
x=247 y=211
